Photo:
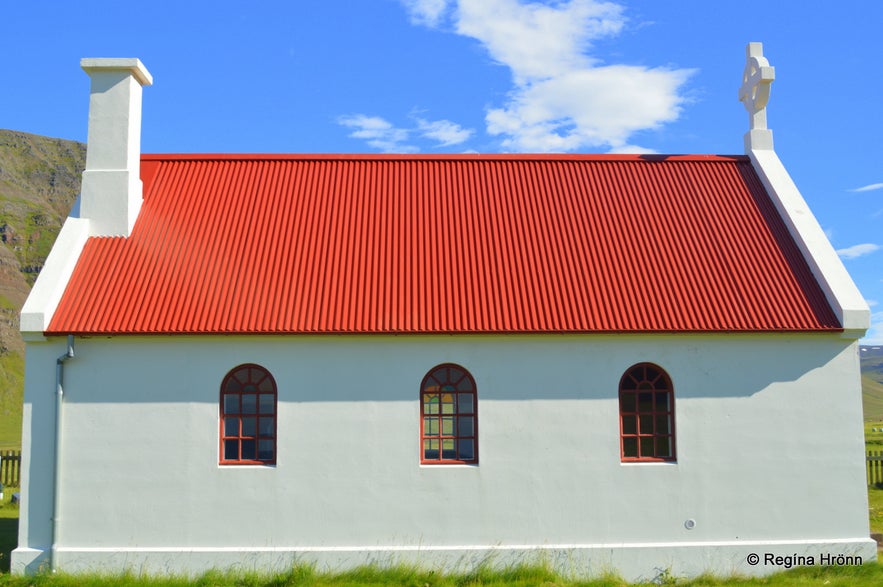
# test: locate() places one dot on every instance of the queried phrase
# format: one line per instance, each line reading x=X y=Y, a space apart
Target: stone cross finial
x=755 y=90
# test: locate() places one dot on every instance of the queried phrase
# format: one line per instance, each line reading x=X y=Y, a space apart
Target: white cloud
x=537 y=41
x=445 y=132
x=857 y=250
x=388 y=138
x=426 y=12
x=596 y=107
x=869 y=188
x=632 y=150
x=565 y=99
x=378 y=133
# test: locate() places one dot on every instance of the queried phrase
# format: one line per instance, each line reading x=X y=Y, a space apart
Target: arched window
x=248 y=417
x=646 y=414
x=449 y=417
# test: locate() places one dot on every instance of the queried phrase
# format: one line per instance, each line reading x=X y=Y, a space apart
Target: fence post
x=874 y=467
x=10 y=468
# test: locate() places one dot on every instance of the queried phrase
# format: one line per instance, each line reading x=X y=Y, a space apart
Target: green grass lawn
x=875 y=509
x=866 y=575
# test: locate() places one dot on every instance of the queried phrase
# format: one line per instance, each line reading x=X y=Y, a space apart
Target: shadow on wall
x=390 y=368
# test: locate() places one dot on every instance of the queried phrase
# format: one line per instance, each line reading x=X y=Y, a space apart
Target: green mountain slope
x=39 y=180
x=872 y=399
x=872 y=382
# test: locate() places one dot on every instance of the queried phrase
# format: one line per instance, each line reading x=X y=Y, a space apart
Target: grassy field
x=874 y=435
x=875 y=509
x=12 y=377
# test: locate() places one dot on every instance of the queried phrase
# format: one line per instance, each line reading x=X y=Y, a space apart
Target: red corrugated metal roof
x=445 y=244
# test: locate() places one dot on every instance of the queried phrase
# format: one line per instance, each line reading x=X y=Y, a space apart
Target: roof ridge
x=437 y=157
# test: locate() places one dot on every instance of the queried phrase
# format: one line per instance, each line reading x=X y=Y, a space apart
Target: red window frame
x=646 y=415
x=448 y=417
x=248 y=416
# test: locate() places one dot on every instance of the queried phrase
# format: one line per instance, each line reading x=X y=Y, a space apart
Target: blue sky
x=451 y=76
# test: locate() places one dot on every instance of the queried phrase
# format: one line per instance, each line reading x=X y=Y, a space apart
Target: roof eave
x=43 y=300
x=844 y=297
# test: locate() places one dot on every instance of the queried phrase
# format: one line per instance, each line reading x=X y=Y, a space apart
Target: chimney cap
x=130 y=64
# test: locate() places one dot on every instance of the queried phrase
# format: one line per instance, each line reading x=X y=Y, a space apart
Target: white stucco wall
x=769 y=443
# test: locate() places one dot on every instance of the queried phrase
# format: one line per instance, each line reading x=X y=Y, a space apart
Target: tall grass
x=407 y=576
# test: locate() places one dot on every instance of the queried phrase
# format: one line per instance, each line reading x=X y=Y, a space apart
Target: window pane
x=628 y=402
x=242 y=375
x=651 y=374
x=265 y=404
x=455 y=375
x=430 y=403
x=430 y=426
x=629 y=425
x=232 y=385
x=250 y=388
x=662 y=426
x=663 y=446
x=646 y=446
x=467 y=450
x=465 y=404
x=447 y=404
x=449 y=449
x=430 y=449
x=231 y=426
x=265 y=427
x=662 y=401
x=249 y=426
x=249 y=450
x=265 y=450
x=630 y=447
x=231 y=403
x=447 y=426
x=645 y=402
x=629 y=382
x=249 y=404
x=231 y=450
x=646 y=424
x=266 y=385
x=466 y=426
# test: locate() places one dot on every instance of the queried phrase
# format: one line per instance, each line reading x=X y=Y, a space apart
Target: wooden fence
x=10 y=468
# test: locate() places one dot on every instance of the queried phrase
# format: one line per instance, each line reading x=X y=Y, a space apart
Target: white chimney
x=110 y=197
